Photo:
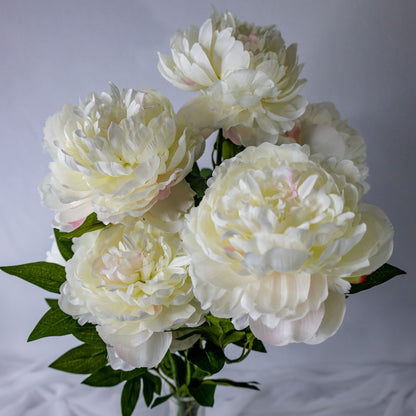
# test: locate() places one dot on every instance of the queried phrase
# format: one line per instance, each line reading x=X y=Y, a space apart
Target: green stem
x=174 y=371
x=173 y=388
x=188 y=369
x=220 y=140
x=246 y=351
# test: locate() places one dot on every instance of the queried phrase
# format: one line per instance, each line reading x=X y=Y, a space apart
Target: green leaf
x=52 y=302
x=204 y=330
x=129 y=396
x=88 y=333
x=203 y=393
x=179 y=370
x=84 y=359
x=151 y=385
x=229 y=149
x=210 y=359
x=48 y=276
x=64 y=244
x=224 y=324
x=381 y=275
x=258 y=346
x=54 y=323
x=206 y=173
x=197 y=183
x=198 y=374
x=90 y=224
x=232 y=338
x=107 y=377
x=226 y=382
x=160 y=400
x=59 y=323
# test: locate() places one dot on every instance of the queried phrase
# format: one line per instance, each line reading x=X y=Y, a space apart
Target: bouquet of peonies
x=160 y=265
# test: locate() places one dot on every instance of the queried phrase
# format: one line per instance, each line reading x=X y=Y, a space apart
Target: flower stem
x=165 y=379
x=248 y=346
x=220 y=140
x=174 y=370
x=188 y=369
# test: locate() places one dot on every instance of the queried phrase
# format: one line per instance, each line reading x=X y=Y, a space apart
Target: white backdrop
x=358 y=54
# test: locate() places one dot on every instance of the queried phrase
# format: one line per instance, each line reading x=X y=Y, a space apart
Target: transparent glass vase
x=185 y=406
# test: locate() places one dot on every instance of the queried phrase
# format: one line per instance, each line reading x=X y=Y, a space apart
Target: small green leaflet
x=84 y=359
x=226 y=382
x=381 y=275
x=129 y=396
x=160 y=400
x=64 y=240
x=90 y=224
x=64 y=244
x=88 y=334
x=206 y=173
x=197 y=182
x=230 y=149
x=107 y=377
x=54 y=323
x=203 y=393
x=210 y=359
x=48 y=276
x=151 y=385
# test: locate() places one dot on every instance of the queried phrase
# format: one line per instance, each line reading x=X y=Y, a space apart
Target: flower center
x=121 y=266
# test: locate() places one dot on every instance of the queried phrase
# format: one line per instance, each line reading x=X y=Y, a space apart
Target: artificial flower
x=273 y=239
x=115 y=154
x=133 y=283
x=333 y=142
x=249 y=80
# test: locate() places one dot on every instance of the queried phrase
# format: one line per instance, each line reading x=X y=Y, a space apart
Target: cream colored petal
x=287 y=331
x=332 y=320
x=149 y=354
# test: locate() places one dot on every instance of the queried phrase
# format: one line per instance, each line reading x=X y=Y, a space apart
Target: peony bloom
x=332 y=142
x=249 y=80
x=116 y=155
x=133 y=283
x=273 y=239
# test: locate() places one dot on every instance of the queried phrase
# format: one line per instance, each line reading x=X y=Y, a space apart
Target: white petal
x=324 y=140
x=149 y=354
x=287 y=331
x=278 y=258
x=332 y=320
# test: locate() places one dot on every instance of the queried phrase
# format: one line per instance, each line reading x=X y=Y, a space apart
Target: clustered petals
x=274 y=237
x=278 y=235
x=333 y=142
x=115 y=154
x=133 y=282
x=248 y=79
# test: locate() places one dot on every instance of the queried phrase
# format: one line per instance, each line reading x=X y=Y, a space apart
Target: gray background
x=358 y=54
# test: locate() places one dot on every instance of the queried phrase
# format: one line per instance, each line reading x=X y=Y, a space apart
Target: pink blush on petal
x=293 y=193
x=164 y=193
x=76 y=224
x=229 y=134
x=188 y=81
x=294 y=133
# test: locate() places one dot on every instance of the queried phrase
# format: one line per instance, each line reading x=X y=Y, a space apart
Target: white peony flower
x=249 y=79
x=133 y=283
x=333 y=142
x=273 y=239
x=115 y=154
